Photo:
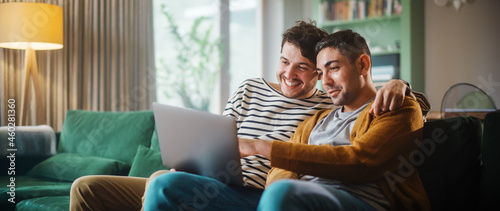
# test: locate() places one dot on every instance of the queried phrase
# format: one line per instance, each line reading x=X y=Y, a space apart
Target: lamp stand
x=32 y=73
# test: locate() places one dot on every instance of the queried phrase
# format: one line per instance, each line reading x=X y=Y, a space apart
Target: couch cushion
x=106 y=134
x=451 y=169
x=50 y=203
x=146 y=162
x=27 y=187
x=69 y=166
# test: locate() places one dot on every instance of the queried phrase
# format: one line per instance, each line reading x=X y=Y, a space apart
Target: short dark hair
x=349 y=43
x=304 y=35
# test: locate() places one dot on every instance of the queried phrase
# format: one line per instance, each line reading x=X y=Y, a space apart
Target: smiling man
x=345 y=158
x=294 y=72
x=265 y=113
x=262 y=110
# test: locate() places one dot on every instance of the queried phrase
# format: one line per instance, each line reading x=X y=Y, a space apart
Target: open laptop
x=198 y=142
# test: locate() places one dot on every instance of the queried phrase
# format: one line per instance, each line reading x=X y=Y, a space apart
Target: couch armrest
x=32 y=144
x=451 y=156
x=490 y=172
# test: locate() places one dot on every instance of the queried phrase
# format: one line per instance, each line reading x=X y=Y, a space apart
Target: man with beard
x=345 y=158
x=262 y=110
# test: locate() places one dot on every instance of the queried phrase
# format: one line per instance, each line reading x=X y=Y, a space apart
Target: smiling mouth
x=291 y=83
x=333 y=92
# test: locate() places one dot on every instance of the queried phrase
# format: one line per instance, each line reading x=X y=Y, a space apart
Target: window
x=188 y=54
x=244 y=41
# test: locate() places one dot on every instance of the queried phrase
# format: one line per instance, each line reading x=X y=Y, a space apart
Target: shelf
x=382 y=53
x=339 y=23
x=400 y=33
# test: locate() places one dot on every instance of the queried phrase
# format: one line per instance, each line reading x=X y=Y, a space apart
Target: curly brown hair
x=304 y=35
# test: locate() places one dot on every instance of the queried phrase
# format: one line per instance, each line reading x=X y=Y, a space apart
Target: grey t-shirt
x=335 y=129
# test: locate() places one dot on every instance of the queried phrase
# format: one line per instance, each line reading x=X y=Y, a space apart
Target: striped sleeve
x=261 y=112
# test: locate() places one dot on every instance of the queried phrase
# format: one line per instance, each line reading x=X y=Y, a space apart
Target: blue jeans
x=302 y=195
x=184 y=191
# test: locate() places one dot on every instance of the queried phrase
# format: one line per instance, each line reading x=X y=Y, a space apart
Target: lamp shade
x=31 y=25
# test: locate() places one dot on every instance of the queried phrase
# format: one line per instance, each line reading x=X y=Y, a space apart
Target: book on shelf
x=346 y=10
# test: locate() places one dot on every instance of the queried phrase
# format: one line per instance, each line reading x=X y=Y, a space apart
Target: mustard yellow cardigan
x=379 y=152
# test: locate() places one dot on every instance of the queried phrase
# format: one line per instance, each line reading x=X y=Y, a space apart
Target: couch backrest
x=114 y=135
x=451 y=170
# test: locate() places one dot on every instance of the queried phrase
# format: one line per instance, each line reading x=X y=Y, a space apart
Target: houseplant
x=193 y=76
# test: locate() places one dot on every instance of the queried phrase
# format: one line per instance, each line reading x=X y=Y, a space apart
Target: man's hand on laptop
x=254 y=146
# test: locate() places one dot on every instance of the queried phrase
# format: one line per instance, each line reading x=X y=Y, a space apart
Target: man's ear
x=364 y=64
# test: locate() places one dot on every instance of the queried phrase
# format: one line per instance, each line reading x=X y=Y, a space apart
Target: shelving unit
x=388 y=32
x=328 y=23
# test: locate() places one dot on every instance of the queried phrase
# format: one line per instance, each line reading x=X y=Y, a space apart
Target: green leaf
x=199 y=59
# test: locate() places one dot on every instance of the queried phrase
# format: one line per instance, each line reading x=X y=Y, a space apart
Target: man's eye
x=333 y=69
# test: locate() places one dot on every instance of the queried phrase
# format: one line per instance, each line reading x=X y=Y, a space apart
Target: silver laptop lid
x=198 y=142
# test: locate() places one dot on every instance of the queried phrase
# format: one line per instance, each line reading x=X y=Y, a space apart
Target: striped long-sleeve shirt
x=261 y=112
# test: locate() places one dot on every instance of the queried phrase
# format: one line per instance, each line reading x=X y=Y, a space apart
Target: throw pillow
x=114 y=135
x=146 y=162
x=69 y=166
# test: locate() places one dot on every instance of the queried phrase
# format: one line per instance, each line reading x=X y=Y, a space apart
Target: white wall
x=462 y=46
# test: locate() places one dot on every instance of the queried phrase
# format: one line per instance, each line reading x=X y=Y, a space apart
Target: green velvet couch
x=458 y=159
x=90 y=143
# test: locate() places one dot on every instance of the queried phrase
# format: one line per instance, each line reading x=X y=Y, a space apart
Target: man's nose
x=290 y=71
x=326 y=80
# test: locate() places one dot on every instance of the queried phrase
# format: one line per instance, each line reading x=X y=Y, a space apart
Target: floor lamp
x=31 y=26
